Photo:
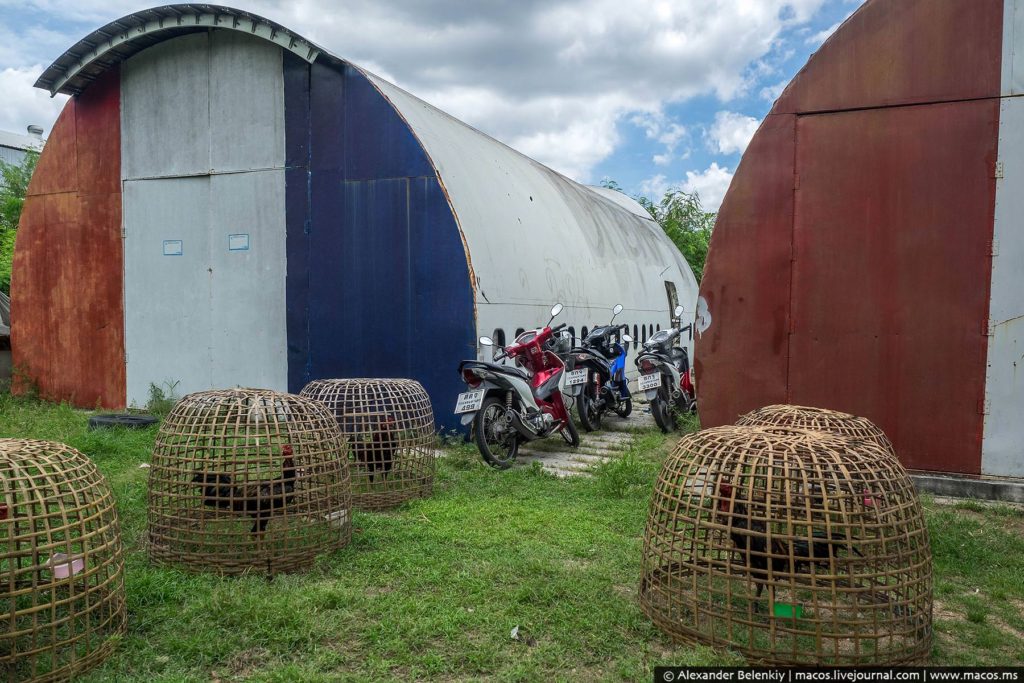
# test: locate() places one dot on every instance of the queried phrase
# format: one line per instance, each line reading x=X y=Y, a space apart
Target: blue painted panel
x=378 y=284
x=296 y=178
x=378 y=143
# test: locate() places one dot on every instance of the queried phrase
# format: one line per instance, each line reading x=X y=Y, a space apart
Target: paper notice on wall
x=173 y=248
x=238 y=242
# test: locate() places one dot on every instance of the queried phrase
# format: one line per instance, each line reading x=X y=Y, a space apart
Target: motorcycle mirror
x=486 y=341
x=556 y=309
x=626 y=338
x=617 y=309
x=678 y=312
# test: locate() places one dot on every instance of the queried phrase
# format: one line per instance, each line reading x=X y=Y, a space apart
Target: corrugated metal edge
x=372 y=79
x=111 y=44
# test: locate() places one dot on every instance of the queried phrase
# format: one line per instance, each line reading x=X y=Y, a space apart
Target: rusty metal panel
x=1003 y=443
x=741 y=358
x=900 y=52
x=67 y=309
x=891 y=240
x=57 y=170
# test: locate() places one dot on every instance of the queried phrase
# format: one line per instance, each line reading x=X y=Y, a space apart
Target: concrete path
x=556 y=457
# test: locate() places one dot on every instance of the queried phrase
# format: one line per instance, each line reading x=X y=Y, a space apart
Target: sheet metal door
x=891 y=260
x=167 y=273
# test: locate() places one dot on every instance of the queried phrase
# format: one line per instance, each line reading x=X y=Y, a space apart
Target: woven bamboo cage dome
x=61 y=563
x=389 y=424
x=248 y=480
x=818 y=419
x=790 y=546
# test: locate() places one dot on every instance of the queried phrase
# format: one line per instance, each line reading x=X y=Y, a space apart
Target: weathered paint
x=1003 y=445
x=379 y=204
x=956 y=50
x=888 y=288
x=204 y=159
x=742 y=358
x=889 y=242
x=377 y=282
x=66 y=288
x=594 y=251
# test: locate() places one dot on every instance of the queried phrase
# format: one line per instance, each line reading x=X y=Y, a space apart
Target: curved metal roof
x=84 y=61
x=501 y=198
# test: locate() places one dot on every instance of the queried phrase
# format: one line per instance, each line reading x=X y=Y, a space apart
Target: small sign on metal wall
x=172 y=248
x=238 y=242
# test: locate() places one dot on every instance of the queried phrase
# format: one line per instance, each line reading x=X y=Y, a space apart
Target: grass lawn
x=435 y=588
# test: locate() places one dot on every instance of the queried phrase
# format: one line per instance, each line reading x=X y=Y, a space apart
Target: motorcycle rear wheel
x=662 y=412
x=586 y=408
x=497 y=452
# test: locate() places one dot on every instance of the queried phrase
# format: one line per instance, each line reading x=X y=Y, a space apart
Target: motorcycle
x=666 y=377
x=599 y=365
x=510 y=405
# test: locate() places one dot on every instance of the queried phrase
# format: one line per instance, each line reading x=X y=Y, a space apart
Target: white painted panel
x=166 y=297
x=247 y=104
x=1013 y=47
x=535 y=235
x=1003 y=443
x=165 y=109
x=248 y=296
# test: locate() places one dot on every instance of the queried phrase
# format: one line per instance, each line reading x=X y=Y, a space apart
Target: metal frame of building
x=867 y=257
x=264 y=213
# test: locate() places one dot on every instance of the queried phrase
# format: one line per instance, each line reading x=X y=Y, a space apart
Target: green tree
x=14 y=179
x=683 y=219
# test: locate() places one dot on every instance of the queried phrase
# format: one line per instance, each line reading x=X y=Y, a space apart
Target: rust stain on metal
x=956 y=47
x=66 y=291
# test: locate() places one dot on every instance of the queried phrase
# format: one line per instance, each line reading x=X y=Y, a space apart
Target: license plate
x=649 y=381
x=576 y=377
x=469 y=401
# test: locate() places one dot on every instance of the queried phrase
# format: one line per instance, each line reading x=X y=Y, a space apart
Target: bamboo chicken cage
x=61 y=563
x=248 y=480
x=389 y=424
x=791 y=546
x=820 y=420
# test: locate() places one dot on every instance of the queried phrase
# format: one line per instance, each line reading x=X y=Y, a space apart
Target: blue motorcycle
x=597 y=376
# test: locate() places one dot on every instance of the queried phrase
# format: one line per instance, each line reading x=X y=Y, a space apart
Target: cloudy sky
x=651 y=93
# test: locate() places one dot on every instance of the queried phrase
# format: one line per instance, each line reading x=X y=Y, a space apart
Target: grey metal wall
x=204 y=214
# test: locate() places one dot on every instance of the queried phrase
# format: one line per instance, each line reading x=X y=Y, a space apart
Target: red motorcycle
x=509 y=405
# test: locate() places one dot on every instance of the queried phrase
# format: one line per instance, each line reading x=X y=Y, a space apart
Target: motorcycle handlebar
x=559 y=328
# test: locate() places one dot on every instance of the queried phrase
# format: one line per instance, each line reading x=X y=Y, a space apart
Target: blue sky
x=651 y=93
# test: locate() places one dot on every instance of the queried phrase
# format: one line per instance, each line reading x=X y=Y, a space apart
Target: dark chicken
x=258 y=500
x=750 y=538
x=379 y=454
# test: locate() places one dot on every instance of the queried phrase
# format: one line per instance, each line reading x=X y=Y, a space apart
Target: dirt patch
x=941 y=612
x=244 y=664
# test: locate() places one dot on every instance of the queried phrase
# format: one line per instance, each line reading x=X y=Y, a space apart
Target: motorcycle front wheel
x=586 y=408
x=498 y=442
x=569 y=433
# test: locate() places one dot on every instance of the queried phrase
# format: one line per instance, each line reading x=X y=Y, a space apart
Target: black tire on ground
x=498 y=460
x=569 y=433
x=127 y=420
x=586 y=408
x=662 y=413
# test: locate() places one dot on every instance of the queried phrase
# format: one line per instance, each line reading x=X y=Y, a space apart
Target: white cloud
x=669 y=133
x=821 y=36
x=711 y=184
x=553 y=78
x=772 y=92
x=23 y=104
x=654 y=187
x=731 y=132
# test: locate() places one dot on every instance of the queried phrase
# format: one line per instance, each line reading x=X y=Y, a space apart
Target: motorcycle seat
x=498 y=367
